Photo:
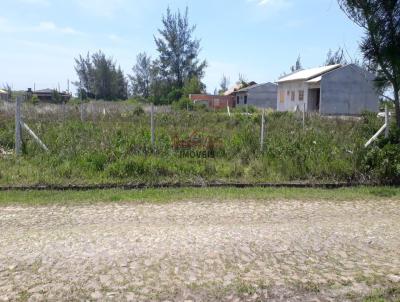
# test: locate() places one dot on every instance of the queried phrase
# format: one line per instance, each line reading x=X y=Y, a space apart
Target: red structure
x=213 y=101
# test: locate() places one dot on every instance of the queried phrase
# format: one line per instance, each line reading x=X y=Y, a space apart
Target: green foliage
x=178 y=50
x=382 y=160
x=337 y=57
x=138 y=111
x=142 y=77
x=118 y=149
x=183 y=104
x=99 y=78
x=193 y=86
x=174 y=95
x=380 y=45
x=35 y=99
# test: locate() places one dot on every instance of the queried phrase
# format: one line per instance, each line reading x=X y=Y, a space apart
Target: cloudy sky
x=260 y=39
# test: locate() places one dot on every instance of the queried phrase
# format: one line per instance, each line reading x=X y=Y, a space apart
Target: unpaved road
x=199 y=251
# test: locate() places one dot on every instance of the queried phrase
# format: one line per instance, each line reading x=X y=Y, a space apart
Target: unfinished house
x=259 y=95
x=213 y=101
x=329 y=90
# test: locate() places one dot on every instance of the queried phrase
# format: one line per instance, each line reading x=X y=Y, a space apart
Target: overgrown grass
x=193 y=194
x=390 y=294
x=117 y=149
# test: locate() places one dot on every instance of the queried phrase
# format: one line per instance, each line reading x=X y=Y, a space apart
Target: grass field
x=172 y=195
x=117 y=149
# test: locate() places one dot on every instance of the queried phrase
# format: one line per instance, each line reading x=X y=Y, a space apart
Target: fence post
x=387 y=123
x=262 y=130
x=153 y=140
x=82 y=112
x=64 y=111
x=18 y=139
x=304 y=116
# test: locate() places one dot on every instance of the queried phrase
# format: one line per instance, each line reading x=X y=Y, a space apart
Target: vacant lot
x=247 y=249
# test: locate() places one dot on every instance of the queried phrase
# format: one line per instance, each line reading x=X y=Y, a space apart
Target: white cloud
x=48 y=26
x=44 y=26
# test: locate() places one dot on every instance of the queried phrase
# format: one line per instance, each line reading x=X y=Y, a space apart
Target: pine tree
x=178 y=50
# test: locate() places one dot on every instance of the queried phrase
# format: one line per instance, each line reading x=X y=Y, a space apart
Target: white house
x=329 y=90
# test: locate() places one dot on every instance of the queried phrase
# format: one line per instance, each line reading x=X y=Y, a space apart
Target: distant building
x=257 y=95
x=213 y=101
x=3 y=95
x=50 y=95
x=329 y=90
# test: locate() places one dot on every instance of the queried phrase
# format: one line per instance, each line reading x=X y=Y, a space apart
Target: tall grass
x=117 y=149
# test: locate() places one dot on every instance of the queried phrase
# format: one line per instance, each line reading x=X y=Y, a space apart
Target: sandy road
x=199 y=251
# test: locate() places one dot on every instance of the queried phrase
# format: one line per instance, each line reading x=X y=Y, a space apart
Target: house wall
x=3 y=96
x=262 y=96
x=213 y=101
x=348 y=91
x=284 y=97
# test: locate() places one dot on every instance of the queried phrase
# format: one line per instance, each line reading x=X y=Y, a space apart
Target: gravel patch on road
x=199 y=251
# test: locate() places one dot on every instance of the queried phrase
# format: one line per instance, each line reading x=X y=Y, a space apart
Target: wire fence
x=90 y=111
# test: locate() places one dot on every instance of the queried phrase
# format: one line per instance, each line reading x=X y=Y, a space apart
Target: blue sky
x=260 y=39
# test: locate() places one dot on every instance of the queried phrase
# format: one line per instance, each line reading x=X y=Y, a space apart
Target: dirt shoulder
x=247 y=250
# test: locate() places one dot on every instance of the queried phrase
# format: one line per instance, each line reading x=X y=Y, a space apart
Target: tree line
x=173 y=75
x=178 y=71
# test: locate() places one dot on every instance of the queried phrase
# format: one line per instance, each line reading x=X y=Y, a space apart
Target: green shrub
x=118 y=149
x=138 y=111
x=183 y=104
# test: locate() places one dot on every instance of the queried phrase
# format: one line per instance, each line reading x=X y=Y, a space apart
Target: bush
x=118 y=149
x=138 y=111
x=183 y=104
x=382 y=160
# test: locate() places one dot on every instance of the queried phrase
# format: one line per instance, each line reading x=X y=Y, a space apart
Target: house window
x=288 y=92
x=238 y=100
x=301 y=95
x=245 y=99
x=293 y=96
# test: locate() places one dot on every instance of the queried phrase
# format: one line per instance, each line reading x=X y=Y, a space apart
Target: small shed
x=258 y=95
x=329 y=90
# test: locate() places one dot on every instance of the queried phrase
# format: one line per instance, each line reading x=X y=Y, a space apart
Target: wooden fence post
x=18 y=139
x=153 y=137
x=262 y=130
x=82 y=109
x=34 y=136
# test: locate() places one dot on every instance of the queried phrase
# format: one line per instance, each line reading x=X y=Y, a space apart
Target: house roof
x=237 y=87
x=315 y=80
x=3 y=91
x=44 y=91
x=308 y=74
x=254 y=86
